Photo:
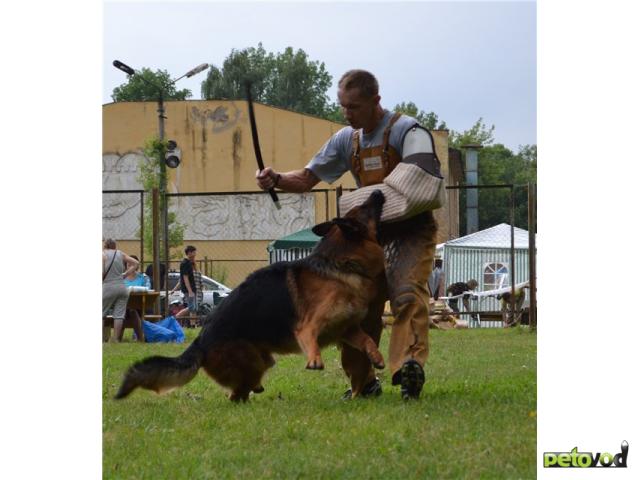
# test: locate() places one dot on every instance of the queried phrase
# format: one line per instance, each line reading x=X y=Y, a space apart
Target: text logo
x=576 y=459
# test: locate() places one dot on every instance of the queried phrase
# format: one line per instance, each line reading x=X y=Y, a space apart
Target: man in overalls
x=393 y=153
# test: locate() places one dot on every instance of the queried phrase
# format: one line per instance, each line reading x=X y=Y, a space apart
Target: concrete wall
x=215 y=137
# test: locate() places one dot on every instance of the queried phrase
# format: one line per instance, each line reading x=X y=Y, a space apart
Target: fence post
x=533 y=312
x=512 y=254
x=156 y=244
x=142 y=228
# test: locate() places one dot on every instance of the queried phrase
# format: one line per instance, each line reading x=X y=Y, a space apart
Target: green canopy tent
x=292 y=247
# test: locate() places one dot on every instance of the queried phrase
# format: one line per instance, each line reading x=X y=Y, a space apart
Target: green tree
x=150 y=177
x=478 y=134
x=228 y=83
x=138 y=90
x=428 y=120
x=288 y=80
x=499 y=165
x=334 y=113
x=299 y=84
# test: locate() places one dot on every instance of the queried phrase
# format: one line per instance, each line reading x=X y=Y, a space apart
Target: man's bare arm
x=295 y=181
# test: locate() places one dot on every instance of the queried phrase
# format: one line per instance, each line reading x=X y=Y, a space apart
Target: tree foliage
x=141 y=87
x=428 y=120
x=498 y=165
x=288 y=80
x=250 y=64
x=335 y=114
x=478 y=134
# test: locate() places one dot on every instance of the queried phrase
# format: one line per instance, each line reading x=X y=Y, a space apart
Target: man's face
x=358 y=111
x=191 y=255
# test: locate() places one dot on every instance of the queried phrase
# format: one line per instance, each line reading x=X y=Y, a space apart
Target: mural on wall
x=120 y=171
x=121 y=211
x=243 y=217
x=222 y=117
x=207 y=217
x=121 y=215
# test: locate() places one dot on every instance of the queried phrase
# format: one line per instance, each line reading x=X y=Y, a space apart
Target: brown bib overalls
x=409 y=247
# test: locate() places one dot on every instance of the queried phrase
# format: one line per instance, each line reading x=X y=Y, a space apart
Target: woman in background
x=115 y=266
x=136 y=278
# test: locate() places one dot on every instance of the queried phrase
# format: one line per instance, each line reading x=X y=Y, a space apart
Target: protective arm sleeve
x=413 y=187
x=418 y=177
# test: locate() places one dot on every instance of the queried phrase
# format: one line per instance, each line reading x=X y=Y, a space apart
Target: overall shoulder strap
x=355 y=156
x=385 y=138
x=115 y=253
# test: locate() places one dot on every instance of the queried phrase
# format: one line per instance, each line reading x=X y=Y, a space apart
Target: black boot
x=411 y=380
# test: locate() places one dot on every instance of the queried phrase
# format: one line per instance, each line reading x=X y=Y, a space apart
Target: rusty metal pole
x=533 y=310
x=326 y=205
x=141 y=228
x=165 y=222
x=156 y=241
x=513 y=256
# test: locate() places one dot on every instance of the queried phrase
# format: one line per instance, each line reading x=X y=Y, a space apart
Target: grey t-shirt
x=334 y=158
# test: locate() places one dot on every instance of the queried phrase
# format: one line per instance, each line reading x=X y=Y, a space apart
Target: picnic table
x=139 y=300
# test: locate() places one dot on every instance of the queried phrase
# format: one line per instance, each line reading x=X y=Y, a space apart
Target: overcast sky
x=462 y=60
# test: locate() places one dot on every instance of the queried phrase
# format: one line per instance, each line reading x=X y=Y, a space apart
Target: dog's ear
x=322 y=228
x=351 y=228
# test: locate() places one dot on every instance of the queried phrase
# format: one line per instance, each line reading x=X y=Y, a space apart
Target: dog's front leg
x=307 y=337
x=357 y=338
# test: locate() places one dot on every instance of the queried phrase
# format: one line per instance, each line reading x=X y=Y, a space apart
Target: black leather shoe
x=411 y=380
x=370 y=390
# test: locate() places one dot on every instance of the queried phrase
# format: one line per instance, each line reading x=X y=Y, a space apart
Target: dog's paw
x=258 y=389
x=315 y=365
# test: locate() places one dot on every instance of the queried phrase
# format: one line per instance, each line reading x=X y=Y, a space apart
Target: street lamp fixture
x=125 y=68
x=161 y=94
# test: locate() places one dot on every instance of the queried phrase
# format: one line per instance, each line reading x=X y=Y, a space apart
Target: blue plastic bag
x=167 y=330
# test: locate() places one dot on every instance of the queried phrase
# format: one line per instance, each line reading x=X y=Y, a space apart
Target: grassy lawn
x=476 y=418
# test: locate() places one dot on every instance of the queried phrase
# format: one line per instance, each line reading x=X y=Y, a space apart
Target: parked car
x=212 y=290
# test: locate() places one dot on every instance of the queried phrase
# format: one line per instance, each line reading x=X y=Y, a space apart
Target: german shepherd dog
x=286 y=307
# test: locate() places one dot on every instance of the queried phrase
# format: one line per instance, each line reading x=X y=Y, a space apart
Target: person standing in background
x=116 y=265
x=187 y=279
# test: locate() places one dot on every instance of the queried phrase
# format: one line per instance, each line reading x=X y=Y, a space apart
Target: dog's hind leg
x=357 y=338
x=307 y=338
x=238 y=366
x=268 y=363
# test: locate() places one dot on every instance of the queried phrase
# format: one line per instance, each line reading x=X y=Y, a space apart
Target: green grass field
x=476 y=418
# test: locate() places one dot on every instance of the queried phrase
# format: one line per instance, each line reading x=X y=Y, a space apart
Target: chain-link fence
x=123 y=219
x=495 y=252
x=231 y=231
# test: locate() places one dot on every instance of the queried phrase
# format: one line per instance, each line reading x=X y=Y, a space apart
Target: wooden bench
x=107 y=325
x=139 y=301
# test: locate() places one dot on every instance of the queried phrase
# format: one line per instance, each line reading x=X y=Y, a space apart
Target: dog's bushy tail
x=162 y=374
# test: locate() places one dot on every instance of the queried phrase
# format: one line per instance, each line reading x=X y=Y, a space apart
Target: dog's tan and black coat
x=284 y=308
